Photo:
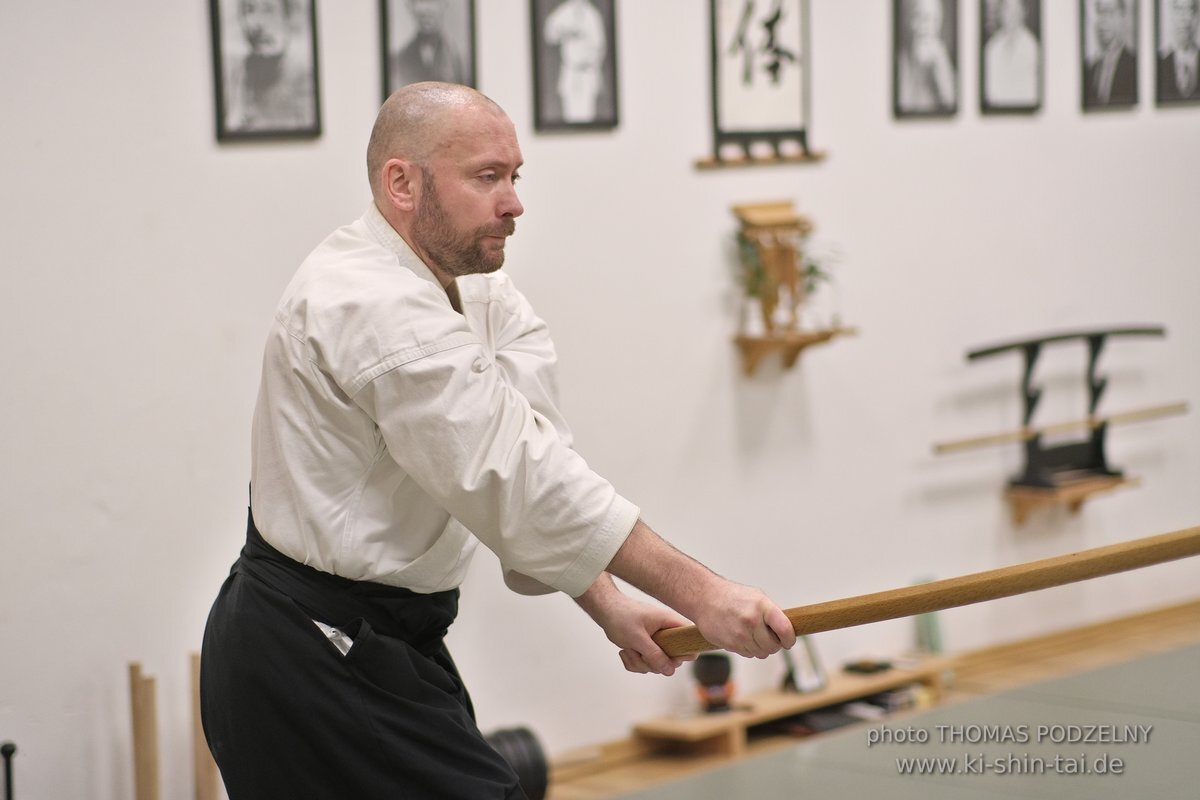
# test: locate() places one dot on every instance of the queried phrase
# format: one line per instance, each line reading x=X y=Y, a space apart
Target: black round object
x=712 y=669
x=521 y=749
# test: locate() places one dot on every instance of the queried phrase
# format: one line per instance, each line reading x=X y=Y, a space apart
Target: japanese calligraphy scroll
x=760 y=79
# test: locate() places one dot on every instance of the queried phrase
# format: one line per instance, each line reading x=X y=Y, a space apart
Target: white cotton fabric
x=393 y=433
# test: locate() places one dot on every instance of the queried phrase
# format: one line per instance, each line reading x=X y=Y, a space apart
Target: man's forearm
x=650 y=563
x=730 y=615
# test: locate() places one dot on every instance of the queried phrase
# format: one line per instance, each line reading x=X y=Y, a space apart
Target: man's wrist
x=653 y=565
x=598 y=597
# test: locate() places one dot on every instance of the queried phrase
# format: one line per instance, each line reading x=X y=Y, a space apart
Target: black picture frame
x=1111 y=84
x=586 y=96
x=1169 y=31
x=426 y=40
x=1010 y=56
x=265 y=68
x=761 y=78
x=925 y=79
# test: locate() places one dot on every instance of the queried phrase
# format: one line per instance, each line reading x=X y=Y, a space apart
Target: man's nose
x=510 y=204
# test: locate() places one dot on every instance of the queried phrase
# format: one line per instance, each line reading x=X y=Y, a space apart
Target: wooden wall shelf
x=805 y=157
x=727 y=731
x=1024 y=500
x=788 y=343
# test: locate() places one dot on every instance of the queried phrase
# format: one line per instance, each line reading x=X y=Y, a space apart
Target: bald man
x=406 y=413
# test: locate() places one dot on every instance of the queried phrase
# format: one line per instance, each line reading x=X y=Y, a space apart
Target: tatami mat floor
x=977 y=673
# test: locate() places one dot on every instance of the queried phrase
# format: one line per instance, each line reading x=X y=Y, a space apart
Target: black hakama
x=288 y=716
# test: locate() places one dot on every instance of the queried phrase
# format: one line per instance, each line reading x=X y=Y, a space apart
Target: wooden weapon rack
x=1068 y=473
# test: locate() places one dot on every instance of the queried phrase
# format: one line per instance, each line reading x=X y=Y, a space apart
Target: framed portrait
x=265 y=68
x=804 y=670
x=924 y=58
x=426 y=40
x=1010 y=64
x=1108 y=53
x=574 y=64
x=760 y=76
x=1176 y=52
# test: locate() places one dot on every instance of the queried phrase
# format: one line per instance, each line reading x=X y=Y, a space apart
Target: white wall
x=141 y=262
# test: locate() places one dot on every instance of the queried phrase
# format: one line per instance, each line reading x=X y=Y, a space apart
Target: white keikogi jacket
x=393 y=433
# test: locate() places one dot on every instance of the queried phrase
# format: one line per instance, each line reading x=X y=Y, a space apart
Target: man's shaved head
x=415 y=120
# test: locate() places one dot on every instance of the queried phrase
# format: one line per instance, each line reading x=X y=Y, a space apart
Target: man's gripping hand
x=743 y=620
x=630 y=624
x=734 y=617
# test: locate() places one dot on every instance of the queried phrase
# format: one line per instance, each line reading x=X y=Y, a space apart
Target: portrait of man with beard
x=266 y=62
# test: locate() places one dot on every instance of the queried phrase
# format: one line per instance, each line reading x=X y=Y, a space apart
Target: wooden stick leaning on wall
x=207 y=778
x=965 y=589
x=145 y=734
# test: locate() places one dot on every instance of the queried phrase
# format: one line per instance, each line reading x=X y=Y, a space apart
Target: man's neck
x=1113 y=49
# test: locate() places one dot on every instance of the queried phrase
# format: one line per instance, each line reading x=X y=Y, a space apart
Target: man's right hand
x=743 y=620
x=734 y=617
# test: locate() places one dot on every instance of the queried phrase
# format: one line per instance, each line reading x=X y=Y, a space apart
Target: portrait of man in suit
x=1110 y=76
x=428 y=40
x=1178 y=74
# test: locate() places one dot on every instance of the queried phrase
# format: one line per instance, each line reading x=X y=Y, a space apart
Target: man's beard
x=455 y=252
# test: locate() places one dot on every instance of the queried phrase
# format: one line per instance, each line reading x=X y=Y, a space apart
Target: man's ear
x=401 y=183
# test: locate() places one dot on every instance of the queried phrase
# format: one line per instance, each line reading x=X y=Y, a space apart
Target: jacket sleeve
x=455 y=417
x=520 y=340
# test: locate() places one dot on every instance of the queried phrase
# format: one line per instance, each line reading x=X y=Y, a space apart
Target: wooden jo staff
x=1090 y=423
x=965 y=589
